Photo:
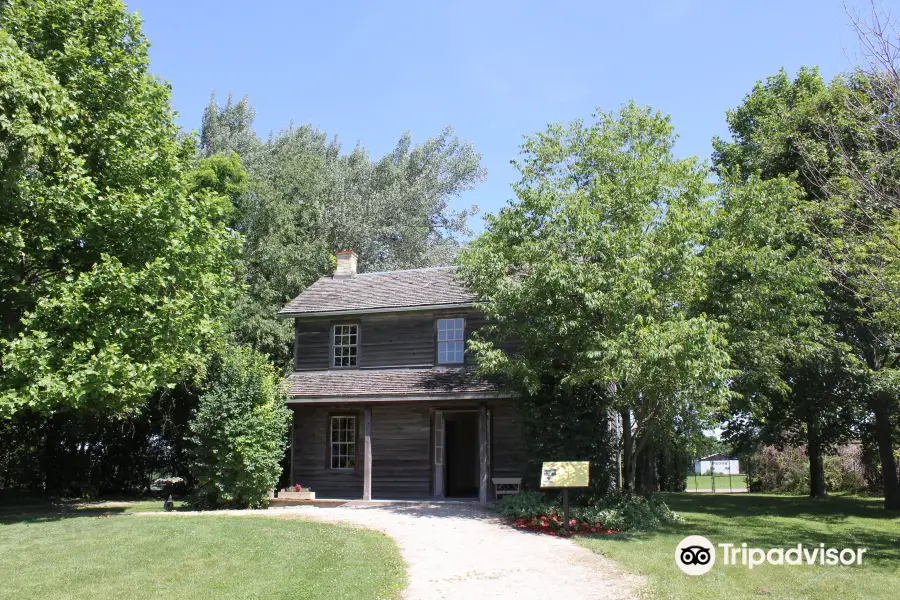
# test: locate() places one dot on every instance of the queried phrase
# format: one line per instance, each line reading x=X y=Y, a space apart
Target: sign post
x=565 y=475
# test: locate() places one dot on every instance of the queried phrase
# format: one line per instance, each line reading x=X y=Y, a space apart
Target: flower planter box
x=296 y=495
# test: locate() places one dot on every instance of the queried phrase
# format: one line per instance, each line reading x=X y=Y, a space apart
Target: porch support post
x=367 y=453
x=484 y=455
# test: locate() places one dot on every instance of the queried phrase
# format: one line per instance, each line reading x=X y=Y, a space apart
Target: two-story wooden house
x=385 y=396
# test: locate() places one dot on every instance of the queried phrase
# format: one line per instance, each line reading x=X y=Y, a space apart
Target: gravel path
x=462 y=551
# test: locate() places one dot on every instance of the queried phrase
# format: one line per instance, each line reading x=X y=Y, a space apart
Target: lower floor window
x=343 y=442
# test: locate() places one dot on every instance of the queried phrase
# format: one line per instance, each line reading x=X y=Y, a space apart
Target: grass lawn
x=89 y=555
x=766 y=521
x=704 y=482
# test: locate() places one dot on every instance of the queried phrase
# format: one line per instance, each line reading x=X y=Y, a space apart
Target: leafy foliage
x=787 y=471
x=239 y=431
x=626 y=511
x=114 y=275
x=804 y=325
x=596 y=270
x=621 y=511
x=525 y=504
x=305 y=199
x=86 y=454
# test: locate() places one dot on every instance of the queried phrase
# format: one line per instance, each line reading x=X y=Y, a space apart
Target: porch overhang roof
x=390 y=385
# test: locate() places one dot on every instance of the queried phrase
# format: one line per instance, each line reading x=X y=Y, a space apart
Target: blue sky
x=495 y=71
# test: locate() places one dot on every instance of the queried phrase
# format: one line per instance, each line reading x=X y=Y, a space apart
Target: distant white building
x=719 y=464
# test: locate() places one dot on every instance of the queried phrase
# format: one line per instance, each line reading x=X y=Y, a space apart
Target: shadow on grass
x=782 y=521
x=45 y=511
x=832 y=508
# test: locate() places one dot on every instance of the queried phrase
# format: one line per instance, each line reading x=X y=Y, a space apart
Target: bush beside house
x=239 y=431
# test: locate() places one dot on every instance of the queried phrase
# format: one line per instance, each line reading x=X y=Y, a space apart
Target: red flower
x=593 y=530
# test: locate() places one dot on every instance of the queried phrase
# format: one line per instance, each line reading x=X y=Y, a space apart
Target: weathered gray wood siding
x=402 y=441
x=396 y=340
x=401 y=451
x=312 y=344
x=311 y=459
x=403 y=340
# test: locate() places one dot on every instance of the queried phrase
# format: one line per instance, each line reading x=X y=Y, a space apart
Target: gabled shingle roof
x=380 y=291
x=387 y=384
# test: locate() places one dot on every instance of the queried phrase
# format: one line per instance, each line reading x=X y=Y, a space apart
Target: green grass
x=766 y=521
x=704 y=482
x=46 y=507
x=88 y=555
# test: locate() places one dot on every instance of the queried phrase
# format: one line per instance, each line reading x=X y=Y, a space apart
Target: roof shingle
x=399 y=383
x=393 y=289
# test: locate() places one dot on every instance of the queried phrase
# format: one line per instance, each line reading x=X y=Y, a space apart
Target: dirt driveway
x=462 y=551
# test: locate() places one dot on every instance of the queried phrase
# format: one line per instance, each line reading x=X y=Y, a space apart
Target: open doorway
x=461 y=465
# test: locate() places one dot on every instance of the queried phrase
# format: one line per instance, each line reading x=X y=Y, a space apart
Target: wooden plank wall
x=401 y=448
x=401 y=451
x=406 y=340
x=311 y=345
x=397 y=340
x=311 y=466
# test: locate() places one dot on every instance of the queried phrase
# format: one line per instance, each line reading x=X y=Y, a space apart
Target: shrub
x=612 y=511
x=627 y=511
x=239 y=431
x=787 y=471
x=523 y=505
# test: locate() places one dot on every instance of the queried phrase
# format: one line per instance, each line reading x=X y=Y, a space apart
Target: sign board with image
x=564 y=474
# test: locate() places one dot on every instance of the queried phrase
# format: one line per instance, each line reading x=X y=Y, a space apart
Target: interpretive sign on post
x=565 y=475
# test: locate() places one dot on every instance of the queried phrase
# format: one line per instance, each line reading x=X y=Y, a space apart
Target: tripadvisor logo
x=696 y=555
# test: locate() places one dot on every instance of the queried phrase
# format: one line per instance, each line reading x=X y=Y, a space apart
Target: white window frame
x=338 y=345
x=455 y=335
x=342 y=454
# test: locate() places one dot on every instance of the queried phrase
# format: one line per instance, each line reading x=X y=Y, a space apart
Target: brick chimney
x=346 y=264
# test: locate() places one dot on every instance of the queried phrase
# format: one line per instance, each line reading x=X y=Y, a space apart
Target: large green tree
x=802 y=128
x=305 y=199
x=113 y=274
x=596 y=269
x=766 y=282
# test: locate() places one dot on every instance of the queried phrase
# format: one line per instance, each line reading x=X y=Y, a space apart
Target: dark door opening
x=461 y=465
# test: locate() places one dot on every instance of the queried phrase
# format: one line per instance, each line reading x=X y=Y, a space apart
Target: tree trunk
x=648 y=460
x=816 y=461
x=627 y=452
x=880 y=406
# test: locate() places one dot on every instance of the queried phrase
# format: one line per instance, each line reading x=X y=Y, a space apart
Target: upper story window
x=345 y=346
x=450 y=340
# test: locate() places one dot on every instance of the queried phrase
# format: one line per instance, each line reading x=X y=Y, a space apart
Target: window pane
x=343 y=446
x=346 y=339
